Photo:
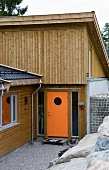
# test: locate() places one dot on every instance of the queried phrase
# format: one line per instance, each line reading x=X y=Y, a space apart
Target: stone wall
x=99 y=108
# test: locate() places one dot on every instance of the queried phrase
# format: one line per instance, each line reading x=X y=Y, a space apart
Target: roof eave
x=23 y=82
x=47 y=19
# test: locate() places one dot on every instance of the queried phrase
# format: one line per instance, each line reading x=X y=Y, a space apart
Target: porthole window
x=57 y=101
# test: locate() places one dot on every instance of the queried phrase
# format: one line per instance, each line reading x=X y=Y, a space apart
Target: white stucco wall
x=95 y=86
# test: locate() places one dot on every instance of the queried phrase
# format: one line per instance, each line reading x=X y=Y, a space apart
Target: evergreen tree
x=11 y=8
x=105 y=35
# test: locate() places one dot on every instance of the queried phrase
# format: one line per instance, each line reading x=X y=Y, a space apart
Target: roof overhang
x=4 y=81
x=22 y=82
x=47 y=19
x=17 y=80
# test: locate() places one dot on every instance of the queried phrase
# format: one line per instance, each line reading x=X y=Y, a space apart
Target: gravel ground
x=32 y=157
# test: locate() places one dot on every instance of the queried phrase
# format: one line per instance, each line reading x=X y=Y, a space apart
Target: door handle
x=49 y=114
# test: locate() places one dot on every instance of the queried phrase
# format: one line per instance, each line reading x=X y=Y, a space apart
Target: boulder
x=99 y=160
x=96 y=146
x=99 y=165
x=82 y=149
x=101 y=155
x=106 y=119
x=103 y=129
x=74 y=164
x=102 y=144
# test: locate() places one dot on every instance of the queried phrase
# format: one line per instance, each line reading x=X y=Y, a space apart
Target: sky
x=42 y=7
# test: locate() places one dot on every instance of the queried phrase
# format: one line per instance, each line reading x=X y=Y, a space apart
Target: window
x=8 y=110
x=40 y=113
x=57 y=101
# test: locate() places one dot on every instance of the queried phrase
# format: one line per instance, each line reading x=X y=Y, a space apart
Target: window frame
x=12 y=122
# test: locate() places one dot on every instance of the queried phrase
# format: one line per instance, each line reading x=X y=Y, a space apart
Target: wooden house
x=66 y=49
x=16 y=103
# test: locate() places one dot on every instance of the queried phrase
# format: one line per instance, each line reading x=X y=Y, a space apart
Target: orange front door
x=57 y=114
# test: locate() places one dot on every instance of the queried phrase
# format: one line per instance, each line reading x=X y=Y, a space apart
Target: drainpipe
x=2 y=88
x=32 y=127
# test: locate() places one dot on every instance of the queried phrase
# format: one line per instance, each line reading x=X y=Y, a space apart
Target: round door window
x=57 y=101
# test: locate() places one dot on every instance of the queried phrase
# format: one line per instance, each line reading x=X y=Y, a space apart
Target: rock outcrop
x=91 y=153
x=97 y=156
x=98 y=165
x=106 y=119
x=103 y=129
x=99 y=160
x=82 y=149
x=102 y=144
x=74 y=164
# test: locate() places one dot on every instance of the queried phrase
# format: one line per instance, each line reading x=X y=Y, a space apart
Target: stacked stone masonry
x=99 y=108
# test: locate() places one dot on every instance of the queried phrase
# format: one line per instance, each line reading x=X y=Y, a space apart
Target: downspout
x=2 y=88
x=90 y=64
x=32 y=121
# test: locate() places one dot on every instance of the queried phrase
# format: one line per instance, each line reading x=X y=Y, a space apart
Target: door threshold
x=55 y=141
x=75 y=137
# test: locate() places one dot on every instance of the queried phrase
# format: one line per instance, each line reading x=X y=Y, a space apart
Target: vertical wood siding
x=96 y=63
x=97 y=70
x=56 y=53
x=16 y=136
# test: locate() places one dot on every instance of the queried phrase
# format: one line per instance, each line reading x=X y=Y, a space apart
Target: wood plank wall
x=97 y=69
x=96 y=63
x=55 y=52
x=19 y=134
